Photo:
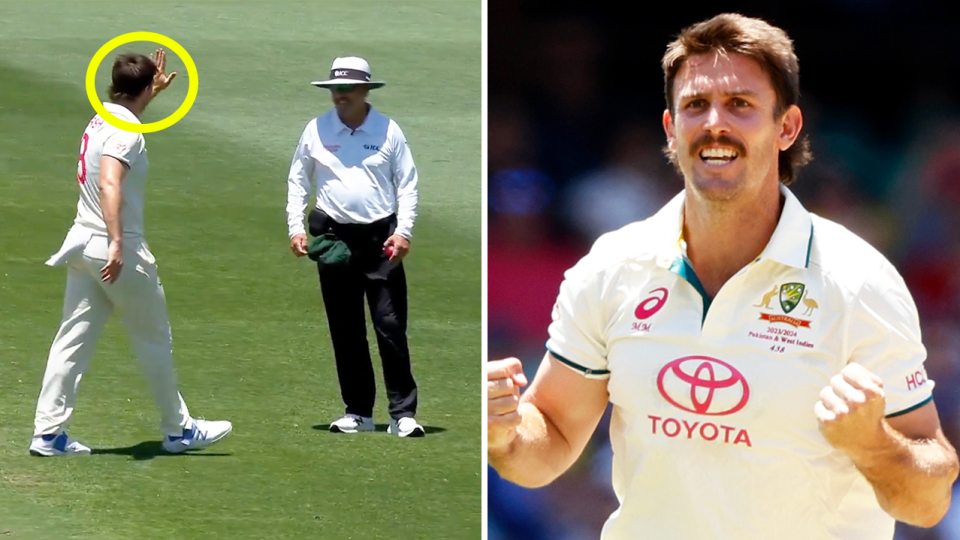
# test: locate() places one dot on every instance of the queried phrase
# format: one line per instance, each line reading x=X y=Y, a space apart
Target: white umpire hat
x=349 y=70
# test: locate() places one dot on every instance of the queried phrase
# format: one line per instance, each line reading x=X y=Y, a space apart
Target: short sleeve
x=124 y=146
x=575 y=333
x=885 y=336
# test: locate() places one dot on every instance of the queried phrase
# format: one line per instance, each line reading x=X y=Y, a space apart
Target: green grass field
x=250 y=335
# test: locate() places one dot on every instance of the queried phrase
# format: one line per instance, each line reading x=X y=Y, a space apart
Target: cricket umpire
x=357 y=163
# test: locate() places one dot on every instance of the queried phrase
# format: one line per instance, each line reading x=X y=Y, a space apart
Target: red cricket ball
x=388 y=250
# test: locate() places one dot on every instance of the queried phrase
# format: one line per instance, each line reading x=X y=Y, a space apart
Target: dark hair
x=132 y=74
x=754 y=38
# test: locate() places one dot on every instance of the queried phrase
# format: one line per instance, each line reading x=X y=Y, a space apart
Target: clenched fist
x=851 y=409
x=504 y=379
x=396 y=247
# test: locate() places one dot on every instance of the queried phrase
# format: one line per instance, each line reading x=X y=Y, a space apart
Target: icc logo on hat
x=347 y=71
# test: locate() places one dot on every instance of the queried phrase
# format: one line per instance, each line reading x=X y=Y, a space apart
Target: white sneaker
x=406 y=427
x=200 y=434
x=351 y=423
x=57 y=445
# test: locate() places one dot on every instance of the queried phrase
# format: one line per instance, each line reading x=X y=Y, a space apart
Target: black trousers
x=343 y=288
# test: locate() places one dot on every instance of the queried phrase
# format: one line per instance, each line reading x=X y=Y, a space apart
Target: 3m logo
x=703 y=385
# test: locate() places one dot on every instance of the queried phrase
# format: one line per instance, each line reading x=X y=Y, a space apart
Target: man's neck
x=356 y=119
x=132 y=106
x=723 y=237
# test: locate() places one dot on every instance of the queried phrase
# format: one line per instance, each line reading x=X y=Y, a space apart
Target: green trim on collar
x=682 y=268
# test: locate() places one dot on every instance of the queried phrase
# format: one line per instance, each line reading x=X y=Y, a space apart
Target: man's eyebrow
x=735 y=92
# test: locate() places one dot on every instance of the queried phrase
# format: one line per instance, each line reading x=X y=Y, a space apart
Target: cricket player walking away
x=110 y=268
x=809 y=417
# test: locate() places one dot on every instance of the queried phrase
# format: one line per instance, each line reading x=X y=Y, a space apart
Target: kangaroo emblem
x=765 y=303
x=811 y=304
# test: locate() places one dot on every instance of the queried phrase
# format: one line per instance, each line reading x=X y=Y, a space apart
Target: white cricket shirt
x=358 y=176
x=713 y=430
x=101 y=139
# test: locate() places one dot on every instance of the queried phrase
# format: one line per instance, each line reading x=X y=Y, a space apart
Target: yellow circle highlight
x=129 y=38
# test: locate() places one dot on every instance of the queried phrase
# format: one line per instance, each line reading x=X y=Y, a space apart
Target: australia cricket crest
x=790 y=295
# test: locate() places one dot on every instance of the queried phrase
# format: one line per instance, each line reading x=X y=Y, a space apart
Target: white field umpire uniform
x=365 y=183
x=713 y=430
x=136 y=295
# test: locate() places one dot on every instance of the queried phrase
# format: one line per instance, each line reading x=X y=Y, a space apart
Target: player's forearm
x=911 y=478
x=537 y=456
x=154 y=92
x=110 y=197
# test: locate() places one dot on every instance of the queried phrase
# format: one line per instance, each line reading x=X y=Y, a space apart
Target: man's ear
x=670 y=129
x=790 y=125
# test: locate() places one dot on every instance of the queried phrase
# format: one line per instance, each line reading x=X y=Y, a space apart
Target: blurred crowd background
x=575 y=138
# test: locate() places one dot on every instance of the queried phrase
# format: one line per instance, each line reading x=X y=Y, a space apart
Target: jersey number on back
x=82 y=166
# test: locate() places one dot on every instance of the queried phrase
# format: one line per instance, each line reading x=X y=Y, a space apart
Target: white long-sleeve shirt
x=358 y=176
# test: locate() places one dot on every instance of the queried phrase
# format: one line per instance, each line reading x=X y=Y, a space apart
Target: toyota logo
x=703 y=385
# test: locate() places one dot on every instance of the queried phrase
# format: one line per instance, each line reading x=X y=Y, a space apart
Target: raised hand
x=161 y=80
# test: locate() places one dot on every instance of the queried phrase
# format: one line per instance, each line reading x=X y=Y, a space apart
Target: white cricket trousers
x=137 y=297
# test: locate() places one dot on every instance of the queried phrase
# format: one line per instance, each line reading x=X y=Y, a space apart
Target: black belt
x=365 y=240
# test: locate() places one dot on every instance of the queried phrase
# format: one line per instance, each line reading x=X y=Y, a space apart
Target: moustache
x=708 y=139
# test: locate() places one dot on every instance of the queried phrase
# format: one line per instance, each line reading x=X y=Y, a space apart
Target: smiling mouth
x=716 y=157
